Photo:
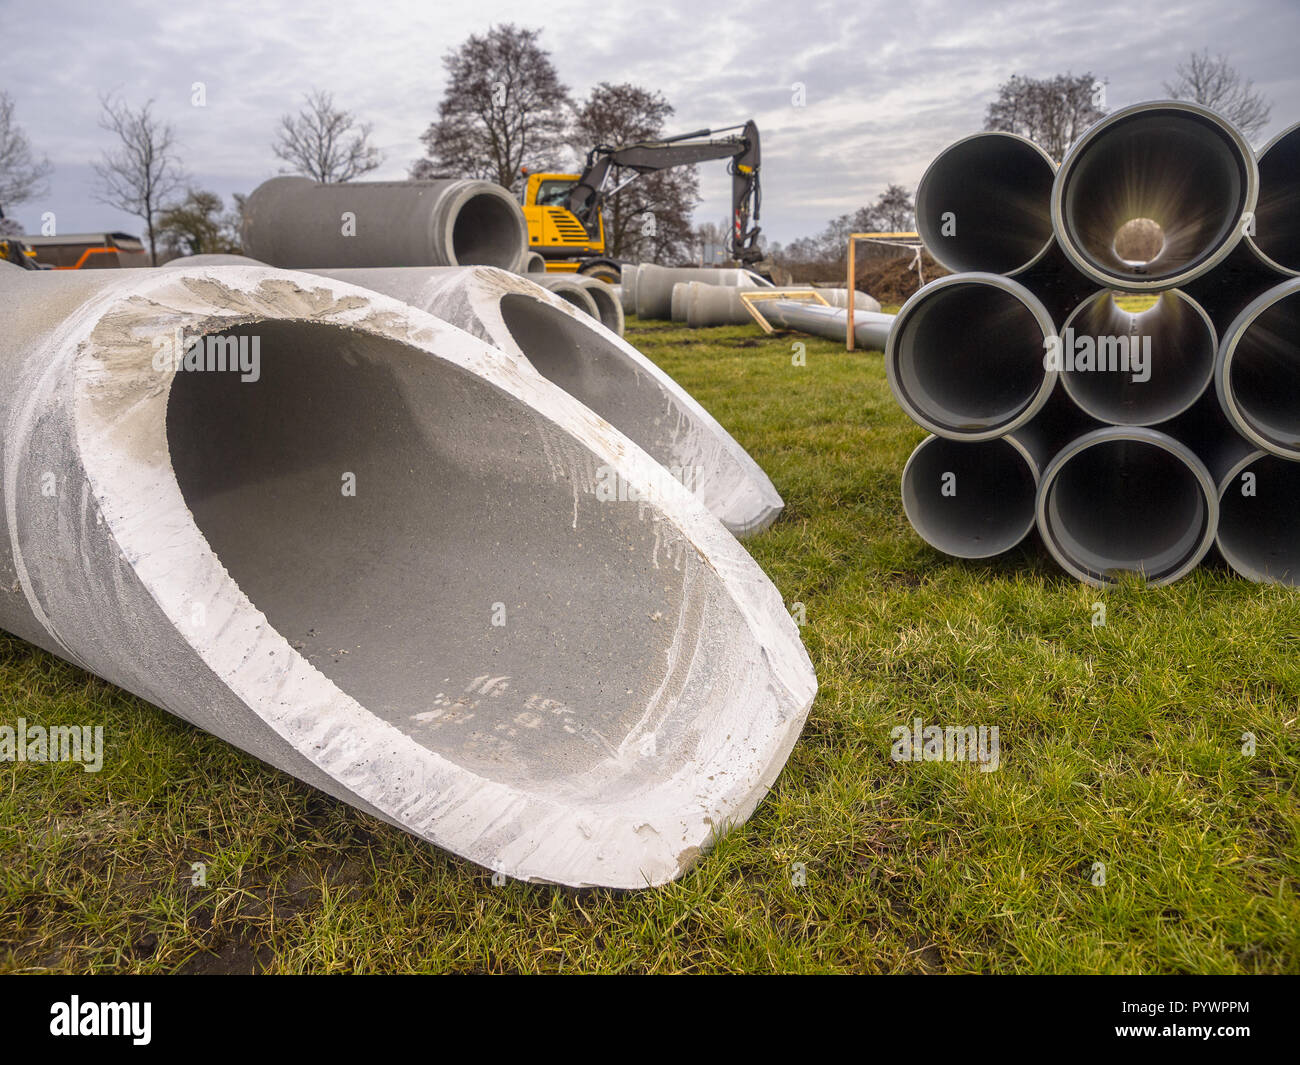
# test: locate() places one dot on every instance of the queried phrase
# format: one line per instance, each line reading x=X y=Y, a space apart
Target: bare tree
x=1052 y=112
x=650 y=219
x=504 y=108
x=895 y=210
x=143 y=172
x=197 y=225
x=22 y=175
x=1212 y=81
x=325 y=143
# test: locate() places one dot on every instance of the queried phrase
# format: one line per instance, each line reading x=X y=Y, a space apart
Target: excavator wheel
x=605 y=270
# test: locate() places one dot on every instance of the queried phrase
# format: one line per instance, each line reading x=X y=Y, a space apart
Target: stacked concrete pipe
x=1136 y=467
x=652 y=290
x=381 y=555
x=700 y=305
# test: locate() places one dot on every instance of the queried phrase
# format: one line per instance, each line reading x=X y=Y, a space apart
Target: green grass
x=1119 y=744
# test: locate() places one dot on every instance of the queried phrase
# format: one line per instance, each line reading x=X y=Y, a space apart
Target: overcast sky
x=887 y=85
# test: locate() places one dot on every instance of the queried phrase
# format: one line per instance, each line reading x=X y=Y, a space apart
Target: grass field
x=1121 y=745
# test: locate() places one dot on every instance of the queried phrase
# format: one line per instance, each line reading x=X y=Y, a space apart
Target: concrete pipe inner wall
x=572 y=293
x=1175 y=164
x=1127 y=500
x=384 y=562
x=984 y=204
x=1257 y=375
x=967 y=356
x=1259 y=519
x=971 y=500
x=1276 y=236
x=1137 y=368
x=297 y=223
x=609 y=307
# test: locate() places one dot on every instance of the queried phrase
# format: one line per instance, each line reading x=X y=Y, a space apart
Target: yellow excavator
x=565 y=223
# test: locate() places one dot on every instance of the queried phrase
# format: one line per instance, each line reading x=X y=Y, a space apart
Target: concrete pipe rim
x=1289 y=140
x=1231 y=231
x=1249 y=424
x=446 y=222
x=934 y=243
x=1025 y=408
x=1200 y=541
x=1070 y=380
x=1225 y=535
x=922 y=523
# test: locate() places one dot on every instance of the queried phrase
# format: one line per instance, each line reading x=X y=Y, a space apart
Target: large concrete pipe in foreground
x=377 y=555
x=654 y=285
x=967 y=357
x=1171 y=170
x=599 y=369
x=971 y=499
x=1127 y=500
x=1257 y=374
x=870 y=330
x=984 y=204
x=1139 y=368
x=603 y=371
x=297 y=223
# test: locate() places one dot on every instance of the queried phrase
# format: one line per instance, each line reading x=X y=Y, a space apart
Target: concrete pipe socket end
x=985 y=204
x=970 y=500
x=1154 y=195
x=396 y=622
x=1137 y=368
x=1257 y=375
x=609 y=308
x=1276 y=236
x=1127 y=500
x=534 y=263
x=968 y=356
x=571 y=292
x=1259 y=519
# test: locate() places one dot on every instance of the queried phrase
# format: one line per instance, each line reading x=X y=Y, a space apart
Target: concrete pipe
x=602 y=371
x=1127 y=500
x=985 y=204
x=179 y=529
x=1276 y=236
x=627 y=279
x=1257 y=373
x=654 y=285
x=1154 y=195
x=967 y=357
x=1259 y=517
x=839 y=297
x=1137 y=369
x=571 y=291
x=609 y=309
x=298 y=223
x=971 y=499
x=870 y=331
x=534 y=263
x=677 y=305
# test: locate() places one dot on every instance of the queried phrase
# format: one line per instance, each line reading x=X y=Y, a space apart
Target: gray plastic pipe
x=603 y=371
x=1177 y=163
x=1257 y=372
x=654 y=285
x=1259 y=517
x=870 y=330
x=968 y=356
x=1140 y=368
x=984 y=204
x=481 y=646
x=1276 y=236
x=298 y=223
x=971 y=500
x=1125 y=499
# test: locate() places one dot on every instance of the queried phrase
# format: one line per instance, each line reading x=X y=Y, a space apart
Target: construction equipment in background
x=88 y=251
x=565 y=220
x=13 y=250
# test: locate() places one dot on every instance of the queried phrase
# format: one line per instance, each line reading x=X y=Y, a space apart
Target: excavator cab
x=554 y=230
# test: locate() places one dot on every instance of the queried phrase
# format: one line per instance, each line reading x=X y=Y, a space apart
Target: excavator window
x=554 y=193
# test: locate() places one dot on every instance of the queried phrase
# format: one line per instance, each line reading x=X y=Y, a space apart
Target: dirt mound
x=894 y=280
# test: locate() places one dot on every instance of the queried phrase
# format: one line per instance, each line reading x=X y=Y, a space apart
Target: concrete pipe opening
x=572 y=292
x=971 y=500
x=1258 y=371
x=967 y=356
x=534 y=263
x=609 y=309
x=1259 y=519
x=1137 y=368
x=1276 y=236
x=985 y=204
x=1171 y=180
x=1127 y=500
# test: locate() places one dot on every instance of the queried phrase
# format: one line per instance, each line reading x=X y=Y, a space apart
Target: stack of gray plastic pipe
x=391 y=559
x=1130 y=440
